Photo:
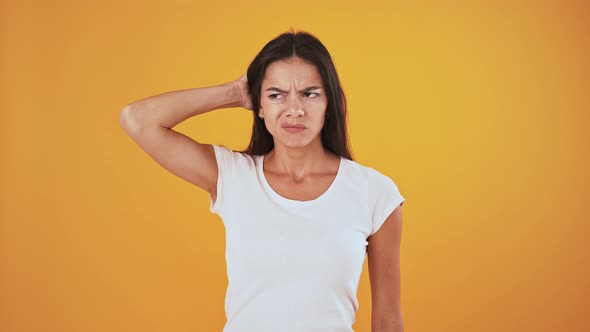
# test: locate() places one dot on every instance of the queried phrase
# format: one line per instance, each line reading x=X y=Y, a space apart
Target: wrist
x=234 y=95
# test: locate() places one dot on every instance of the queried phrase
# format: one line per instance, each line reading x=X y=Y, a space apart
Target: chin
x=296 y=142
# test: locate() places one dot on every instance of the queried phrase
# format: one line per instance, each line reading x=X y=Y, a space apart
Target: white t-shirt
x=296 y=265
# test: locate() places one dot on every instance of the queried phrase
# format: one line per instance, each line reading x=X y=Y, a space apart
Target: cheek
x=318 y=105
x=268 y=106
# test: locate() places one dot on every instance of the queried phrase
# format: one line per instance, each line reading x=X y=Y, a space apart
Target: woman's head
x=291 y=81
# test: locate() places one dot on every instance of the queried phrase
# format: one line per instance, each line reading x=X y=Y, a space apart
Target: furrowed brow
x=272 y=88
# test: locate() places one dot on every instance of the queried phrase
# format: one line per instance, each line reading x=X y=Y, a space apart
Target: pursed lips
x=293 y=126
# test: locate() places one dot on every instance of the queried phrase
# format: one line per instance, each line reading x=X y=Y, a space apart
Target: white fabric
x=296 y=265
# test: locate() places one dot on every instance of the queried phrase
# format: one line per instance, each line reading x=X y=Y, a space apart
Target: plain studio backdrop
x=478 y=111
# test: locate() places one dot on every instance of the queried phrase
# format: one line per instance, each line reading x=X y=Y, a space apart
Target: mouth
x=294 y=129
x=298 y=126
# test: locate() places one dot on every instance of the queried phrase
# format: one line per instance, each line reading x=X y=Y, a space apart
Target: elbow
x=129 y=121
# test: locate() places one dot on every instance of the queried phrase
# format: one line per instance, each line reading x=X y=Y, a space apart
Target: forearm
x=170 y=108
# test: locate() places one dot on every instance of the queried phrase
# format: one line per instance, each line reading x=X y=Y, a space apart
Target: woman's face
x=290 y=85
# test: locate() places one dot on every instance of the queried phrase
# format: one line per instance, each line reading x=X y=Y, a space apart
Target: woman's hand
x=241 y=85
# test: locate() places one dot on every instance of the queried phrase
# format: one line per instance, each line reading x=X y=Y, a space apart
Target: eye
x=313 y=93
x=273 y=96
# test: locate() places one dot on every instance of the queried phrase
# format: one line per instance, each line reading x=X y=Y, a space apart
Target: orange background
x=478 y=111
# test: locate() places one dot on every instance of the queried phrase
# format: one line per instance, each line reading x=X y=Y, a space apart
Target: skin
x=297 y=157
x=383 y=252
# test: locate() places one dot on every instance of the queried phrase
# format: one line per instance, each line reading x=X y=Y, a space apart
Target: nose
x=294 y=107
x=295 y=111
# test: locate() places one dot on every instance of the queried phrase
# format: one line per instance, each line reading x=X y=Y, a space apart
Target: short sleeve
x=225 y=165
x=384 y=197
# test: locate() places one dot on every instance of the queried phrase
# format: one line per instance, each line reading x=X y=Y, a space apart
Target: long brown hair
x=309 y=48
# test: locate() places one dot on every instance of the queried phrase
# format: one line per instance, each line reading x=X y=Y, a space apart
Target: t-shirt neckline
x=288 y=201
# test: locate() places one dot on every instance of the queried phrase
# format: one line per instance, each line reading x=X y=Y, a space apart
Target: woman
x=299 y=213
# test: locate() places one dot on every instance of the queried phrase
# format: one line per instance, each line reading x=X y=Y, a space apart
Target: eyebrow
x=304 y=90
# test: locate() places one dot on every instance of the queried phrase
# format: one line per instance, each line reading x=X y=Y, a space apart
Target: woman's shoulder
x=373 y=175
x=357 y=167
x=233 y=160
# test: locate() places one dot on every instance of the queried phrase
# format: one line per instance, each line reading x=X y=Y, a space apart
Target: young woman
x=299 y=213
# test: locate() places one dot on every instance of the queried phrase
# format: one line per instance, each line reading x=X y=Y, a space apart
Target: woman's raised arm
x=149 y=123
